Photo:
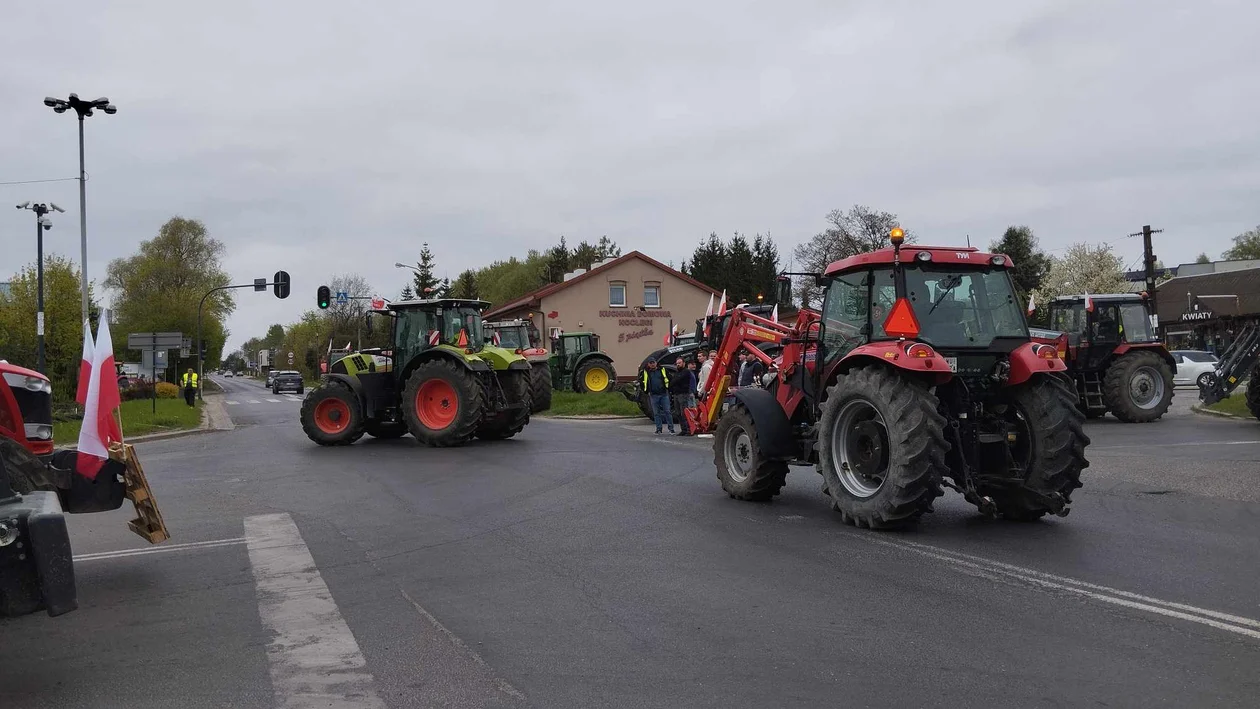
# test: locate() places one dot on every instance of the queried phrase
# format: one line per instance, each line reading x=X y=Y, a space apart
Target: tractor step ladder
x=1089 y=387
x=148 y=522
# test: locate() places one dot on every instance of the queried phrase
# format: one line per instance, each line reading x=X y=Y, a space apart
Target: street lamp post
x=83 y=109
x=42 y=224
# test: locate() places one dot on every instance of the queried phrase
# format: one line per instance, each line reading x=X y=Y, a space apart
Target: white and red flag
x=1089 y=303
x=722 y=305
x=100 y=427
x=1032 y=303
x=85 y=366
x=708 y=315
x=774 y=314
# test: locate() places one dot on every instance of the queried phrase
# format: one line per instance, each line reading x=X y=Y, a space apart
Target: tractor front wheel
x=1138 y=387
x=442 y=403
x=745 y=474
x=540 y=387
x=881 y=448
x=594 y=376
x=332 y=416
x=1049 y=445
x=510 y=421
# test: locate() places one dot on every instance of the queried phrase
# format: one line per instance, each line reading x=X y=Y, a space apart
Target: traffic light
x=280 y=285
x=323 y=296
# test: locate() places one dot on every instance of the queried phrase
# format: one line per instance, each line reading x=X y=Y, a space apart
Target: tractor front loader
x=1239 y=363
x=444 y=384
x=918 y=374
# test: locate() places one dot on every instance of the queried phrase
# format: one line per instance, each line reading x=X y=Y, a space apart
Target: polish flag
x=774 y=314
x=85 y=365
x=1032 y=303
x=100 y=428
x=722 y=305
x=1089 y=303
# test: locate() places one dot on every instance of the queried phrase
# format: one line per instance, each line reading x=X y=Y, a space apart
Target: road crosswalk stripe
x=253 y=401
x=315 y=660
x=274 y=401
x=232 y=403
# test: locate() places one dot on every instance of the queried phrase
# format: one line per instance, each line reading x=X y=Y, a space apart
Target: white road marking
x=315 y=660
x=231 y=403
x=1176 y=445
x=273 y=401
x=190 y=546
x=253 y=401
x=1204 y=616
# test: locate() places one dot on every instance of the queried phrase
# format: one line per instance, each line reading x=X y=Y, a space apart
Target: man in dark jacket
x=656 y=384
x=750 y=370
x=682 y=387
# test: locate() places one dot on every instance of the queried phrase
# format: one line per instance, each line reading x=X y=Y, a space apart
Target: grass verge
x=567 y=403
x=138 y=419
x=1236 y=405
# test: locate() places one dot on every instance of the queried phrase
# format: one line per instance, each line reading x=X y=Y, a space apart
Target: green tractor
x=441 y=382
x=579 y=364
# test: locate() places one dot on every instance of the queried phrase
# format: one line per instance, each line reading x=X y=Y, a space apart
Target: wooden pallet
x=148 y=522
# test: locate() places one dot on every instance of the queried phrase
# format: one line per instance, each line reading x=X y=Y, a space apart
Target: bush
x=137 y=390
x=166 y=390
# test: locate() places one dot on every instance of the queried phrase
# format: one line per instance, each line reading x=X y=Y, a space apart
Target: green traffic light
x=322 y=297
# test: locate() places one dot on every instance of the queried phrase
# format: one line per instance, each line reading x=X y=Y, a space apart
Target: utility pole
x=41 y=225
x=1148 y=255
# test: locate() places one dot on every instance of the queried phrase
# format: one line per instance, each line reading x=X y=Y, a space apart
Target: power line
x=33 y=182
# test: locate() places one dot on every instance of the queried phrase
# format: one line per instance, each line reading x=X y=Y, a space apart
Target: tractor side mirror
x=784 y=295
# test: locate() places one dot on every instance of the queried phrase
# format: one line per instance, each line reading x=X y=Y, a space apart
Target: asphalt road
x=592 y=564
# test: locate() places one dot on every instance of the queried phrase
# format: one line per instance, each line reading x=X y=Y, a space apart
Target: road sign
x=155 y=340
x=260 y=284
x=290 y=358
x=343 y=297
x=280 y=284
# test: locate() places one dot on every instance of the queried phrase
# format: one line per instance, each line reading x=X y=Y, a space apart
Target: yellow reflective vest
x=190 y=379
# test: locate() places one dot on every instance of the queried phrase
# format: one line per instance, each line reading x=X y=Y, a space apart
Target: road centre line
x=1181 y=611
x=315 y=660
x=190 y=546
x=1174 y=445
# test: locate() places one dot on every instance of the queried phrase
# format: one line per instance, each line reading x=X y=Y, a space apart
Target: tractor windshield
x=461 y=327
x=956 y=307
x=1136 y=323
x=513 y=337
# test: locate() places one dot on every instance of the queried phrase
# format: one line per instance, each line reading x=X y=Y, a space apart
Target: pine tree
x=424 y=279
x=465 y=286
x=738 y=276
x=407 y=293
x=766 y=267
x=557 y=262
x=1030 y=264
x=708 y=262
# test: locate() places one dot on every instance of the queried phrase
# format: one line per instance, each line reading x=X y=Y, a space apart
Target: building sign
x=635 y=318
x=1197 y=316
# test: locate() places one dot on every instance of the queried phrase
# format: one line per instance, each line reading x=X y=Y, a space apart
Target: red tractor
x=919 y=373
x=1113 y=355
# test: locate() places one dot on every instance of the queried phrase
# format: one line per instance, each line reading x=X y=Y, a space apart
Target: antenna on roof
x=969 y=241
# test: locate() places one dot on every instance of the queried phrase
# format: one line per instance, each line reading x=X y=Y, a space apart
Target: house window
x=652 y=296
x=617 y=295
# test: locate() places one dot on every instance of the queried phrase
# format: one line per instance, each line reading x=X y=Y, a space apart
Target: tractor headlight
x=923 y=256
x=38 y=431
x=37 y=384
x=998 y=260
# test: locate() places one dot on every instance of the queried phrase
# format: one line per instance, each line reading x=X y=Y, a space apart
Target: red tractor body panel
x=967 y=256
x=14 y=416
x=1026 y=362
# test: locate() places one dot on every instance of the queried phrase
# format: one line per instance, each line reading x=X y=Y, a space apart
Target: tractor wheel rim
x=596 y=379
x=859 y=448
x=437 y=404
x=332 y=416
x=738 y=453
x=1146 y=388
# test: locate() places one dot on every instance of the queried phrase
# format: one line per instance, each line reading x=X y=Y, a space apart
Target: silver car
x=1193 y=367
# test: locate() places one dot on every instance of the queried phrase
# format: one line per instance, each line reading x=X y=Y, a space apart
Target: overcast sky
x=324 y=137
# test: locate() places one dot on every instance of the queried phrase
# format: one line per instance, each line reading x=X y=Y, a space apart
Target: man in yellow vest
x=190 y=387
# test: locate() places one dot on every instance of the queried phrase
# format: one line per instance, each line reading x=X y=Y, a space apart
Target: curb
x=589 y=418
x=1198 y=409
x=212 y=408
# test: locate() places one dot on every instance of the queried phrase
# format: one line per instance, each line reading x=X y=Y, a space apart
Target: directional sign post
x=155 y=342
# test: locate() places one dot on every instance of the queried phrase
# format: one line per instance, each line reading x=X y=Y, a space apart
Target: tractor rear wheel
x=645 y=405
x=332 y=415
x=385 y=431
x=595 y=376
x=881 y=448
x=511 y=421
x=539 y=387
x=442 y=403
x=745 y=474
x=1138 y=387
x=1050 y=443
x=1253 y=392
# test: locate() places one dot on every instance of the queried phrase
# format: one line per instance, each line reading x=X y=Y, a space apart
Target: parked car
x=285 y=381
x=271 y=377
x=1193 y=366
x=228 y=374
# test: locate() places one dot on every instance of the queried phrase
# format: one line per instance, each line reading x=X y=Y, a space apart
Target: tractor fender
x=893 y=354
x=1025 y=363
x=1155 y=347
x=499 y=358
x=351 y=382
x=774 y=431
x=590 y=356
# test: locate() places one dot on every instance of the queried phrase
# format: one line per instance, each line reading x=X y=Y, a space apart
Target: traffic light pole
x=259 y=284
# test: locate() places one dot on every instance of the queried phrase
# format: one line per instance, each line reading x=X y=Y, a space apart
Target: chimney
x=576 y=272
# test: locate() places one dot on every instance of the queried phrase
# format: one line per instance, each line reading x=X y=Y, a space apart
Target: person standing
x=682 y=390
x=750 y=371
x=706 y=366
x=656 y=384
x=190 y=387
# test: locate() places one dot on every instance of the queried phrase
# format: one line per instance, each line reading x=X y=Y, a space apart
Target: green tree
x=504 y=281
x=1031 y=264
x=738 y=278
x=765 y=266
x=556 y=262
x=856 y=231
x=585 y=255
x=407 y=293
x=275 y=336
x=159 y=287
x=425 y=277
x=63 y=328
x=465 y=285
x=1202 y=258
x=1246 y=246
x=1083 y=268
x=709 y=262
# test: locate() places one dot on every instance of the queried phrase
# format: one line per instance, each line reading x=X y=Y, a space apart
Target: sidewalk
x=214 y=417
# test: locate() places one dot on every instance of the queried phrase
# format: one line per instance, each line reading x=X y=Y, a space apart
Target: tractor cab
x=577 y=362
x=1096 y=328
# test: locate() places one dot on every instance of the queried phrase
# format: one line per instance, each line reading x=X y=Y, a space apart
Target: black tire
x=579 y=377
x=1253 y=392
x=300 y=390
x=509 y=422
x=385 y=431
x=1204 y=380
x=353 y=430
x=1146 y=366
x=275 y=391
x=540 y=387
x=1055 y=456
x=743 y=472
x=912 y=458
x=645 y=405
x=468 y=403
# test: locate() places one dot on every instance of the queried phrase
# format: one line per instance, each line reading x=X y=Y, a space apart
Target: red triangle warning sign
x=901 y=321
